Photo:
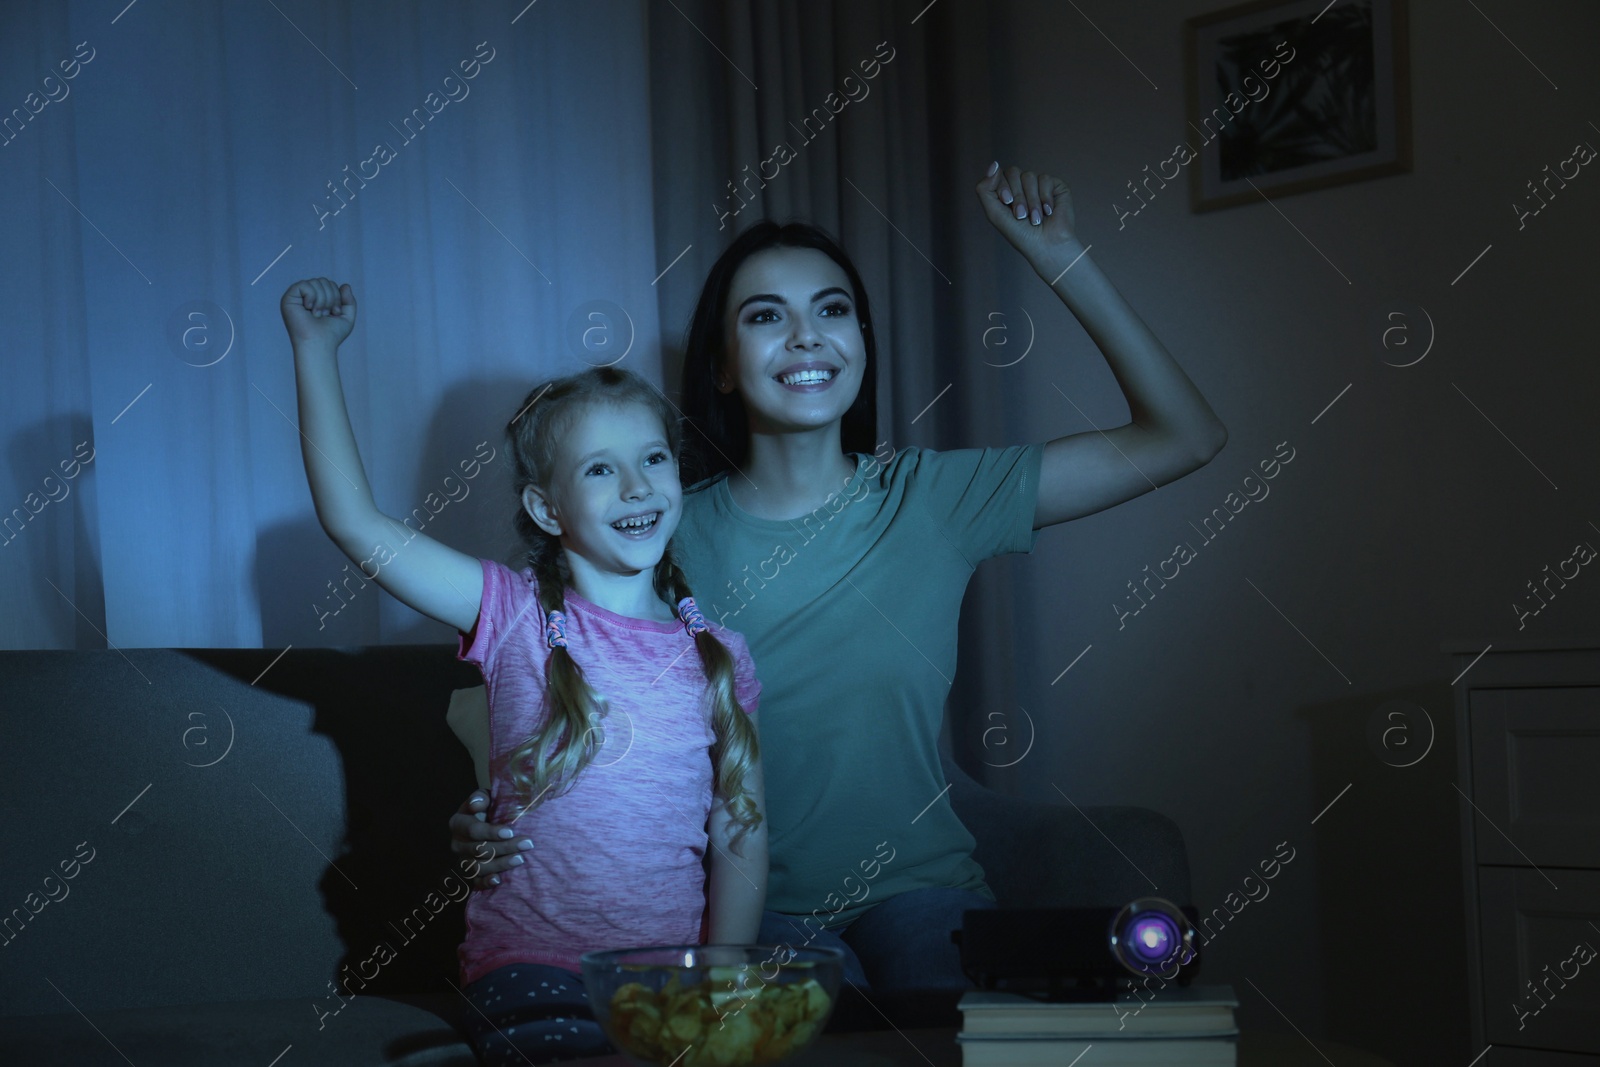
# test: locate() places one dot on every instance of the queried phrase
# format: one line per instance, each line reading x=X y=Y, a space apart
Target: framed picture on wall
x=1286 y=97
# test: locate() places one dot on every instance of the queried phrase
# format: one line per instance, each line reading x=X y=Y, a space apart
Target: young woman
x=843 y=562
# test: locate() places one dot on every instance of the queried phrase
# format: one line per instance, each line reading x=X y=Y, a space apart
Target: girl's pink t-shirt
x=618 y=859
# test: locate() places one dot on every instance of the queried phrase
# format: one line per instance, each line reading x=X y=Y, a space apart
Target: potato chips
x=734 y=1019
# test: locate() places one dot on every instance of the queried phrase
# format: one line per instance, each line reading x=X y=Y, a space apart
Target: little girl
x=608 y=744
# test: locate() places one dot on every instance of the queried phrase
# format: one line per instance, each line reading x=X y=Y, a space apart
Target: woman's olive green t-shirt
x=850 y=613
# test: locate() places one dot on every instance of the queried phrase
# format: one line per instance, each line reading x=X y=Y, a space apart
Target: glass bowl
x=712 y=1005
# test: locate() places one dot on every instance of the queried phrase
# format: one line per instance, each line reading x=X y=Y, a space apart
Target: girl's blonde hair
x=546 y=416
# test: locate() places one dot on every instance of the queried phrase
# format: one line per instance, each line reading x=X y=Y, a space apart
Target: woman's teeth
x=808 y=377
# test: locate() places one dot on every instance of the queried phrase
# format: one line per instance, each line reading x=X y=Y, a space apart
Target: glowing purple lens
x=1153 y=937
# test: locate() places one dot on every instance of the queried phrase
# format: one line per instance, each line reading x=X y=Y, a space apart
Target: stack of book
x=1191 y=1026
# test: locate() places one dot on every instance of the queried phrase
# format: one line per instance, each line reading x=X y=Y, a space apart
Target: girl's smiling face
x=614 y=497
x=793 y=342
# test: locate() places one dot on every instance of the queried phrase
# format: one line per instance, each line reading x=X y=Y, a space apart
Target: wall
x=1416 y=507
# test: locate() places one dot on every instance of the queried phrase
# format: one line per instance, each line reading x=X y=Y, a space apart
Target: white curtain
x=169 y=169
x=565 y=200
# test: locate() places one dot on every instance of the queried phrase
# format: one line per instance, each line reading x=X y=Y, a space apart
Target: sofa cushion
x=258 y=825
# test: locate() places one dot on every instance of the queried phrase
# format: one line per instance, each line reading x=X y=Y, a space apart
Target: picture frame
x=1344 y=65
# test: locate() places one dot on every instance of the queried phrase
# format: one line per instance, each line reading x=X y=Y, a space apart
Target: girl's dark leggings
x=526 y=1012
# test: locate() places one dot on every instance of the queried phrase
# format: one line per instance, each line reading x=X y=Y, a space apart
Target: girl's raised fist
x=316 y=311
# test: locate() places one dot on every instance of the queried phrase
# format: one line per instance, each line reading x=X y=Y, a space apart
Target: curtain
x=478 y=175
x=513 y=191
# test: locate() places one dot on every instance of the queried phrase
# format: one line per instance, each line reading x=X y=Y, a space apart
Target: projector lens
x=1151 y=936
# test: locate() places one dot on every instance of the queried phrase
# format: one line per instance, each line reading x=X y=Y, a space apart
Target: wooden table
x=920 y=1048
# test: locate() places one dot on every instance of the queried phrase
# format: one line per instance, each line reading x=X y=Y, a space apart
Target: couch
x=197 y=844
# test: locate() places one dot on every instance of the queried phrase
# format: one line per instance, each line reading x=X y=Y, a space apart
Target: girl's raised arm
x=436 y=580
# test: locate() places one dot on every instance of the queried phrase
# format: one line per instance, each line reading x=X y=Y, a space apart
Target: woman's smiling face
x=793 y=342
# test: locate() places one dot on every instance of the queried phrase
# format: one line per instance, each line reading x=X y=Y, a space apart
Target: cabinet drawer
x=1536 y=776
x=1529 y=930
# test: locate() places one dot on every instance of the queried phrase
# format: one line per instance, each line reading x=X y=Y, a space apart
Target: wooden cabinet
x=1528 y=735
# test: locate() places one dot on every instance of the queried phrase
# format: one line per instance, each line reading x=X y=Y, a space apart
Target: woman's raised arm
x=1172 y=430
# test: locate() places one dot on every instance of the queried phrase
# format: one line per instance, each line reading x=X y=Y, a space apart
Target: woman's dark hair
x=723 y=438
